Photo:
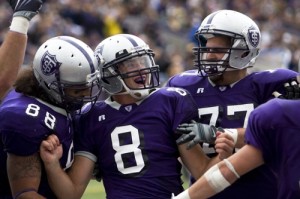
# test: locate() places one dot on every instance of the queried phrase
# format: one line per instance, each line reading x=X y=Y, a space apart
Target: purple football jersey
x=230 y=107
x=24 y=123
x=135 y=145
x=274 y=128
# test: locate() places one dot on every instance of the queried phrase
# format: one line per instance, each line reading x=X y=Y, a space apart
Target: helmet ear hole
x=245 y=54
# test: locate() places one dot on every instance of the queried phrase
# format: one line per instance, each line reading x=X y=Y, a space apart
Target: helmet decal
x=253 y=36
x=49 y=64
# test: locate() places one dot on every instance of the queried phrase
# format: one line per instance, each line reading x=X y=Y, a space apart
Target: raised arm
x=12 y=50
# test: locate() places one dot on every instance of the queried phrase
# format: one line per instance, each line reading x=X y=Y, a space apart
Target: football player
x=131 y=135
x=272 y=138
x=225 y=92
x=63 y=78
x=12 y=50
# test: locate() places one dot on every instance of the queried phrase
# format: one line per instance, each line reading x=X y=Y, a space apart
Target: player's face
x=137 y=70
x=217 y=46
x=214 y=48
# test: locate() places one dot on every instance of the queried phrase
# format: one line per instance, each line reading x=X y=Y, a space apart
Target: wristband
x=20 y=25
x=233 y=133
x=183 y=195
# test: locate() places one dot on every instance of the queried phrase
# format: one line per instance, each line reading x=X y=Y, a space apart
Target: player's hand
x=51 y=150
x=224 y=144
x=292 y=90
x=26 y=8
x=194 y=133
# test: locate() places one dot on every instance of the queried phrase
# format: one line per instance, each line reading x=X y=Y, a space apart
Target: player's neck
x=124 y=99
x=230 y=77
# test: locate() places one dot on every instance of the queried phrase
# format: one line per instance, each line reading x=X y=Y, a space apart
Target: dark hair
x=27 y=84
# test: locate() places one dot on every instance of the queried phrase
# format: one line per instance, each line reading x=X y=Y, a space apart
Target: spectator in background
x=155 y=18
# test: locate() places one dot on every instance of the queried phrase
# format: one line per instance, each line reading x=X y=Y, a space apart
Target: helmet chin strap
x=137 y=94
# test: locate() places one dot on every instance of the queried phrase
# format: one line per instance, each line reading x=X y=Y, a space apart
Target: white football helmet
x=66 y=62
x=121 y=54
x=245 y=42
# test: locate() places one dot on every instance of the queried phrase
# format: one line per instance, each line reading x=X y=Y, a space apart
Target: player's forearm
x=215 y=180
x=12 y=53
x=241 y=138
x=60 y=182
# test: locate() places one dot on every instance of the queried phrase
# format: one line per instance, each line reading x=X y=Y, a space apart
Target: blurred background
x=167 y=25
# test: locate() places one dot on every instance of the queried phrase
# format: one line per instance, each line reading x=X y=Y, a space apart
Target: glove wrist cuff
x=26 y=14
x=19 y=24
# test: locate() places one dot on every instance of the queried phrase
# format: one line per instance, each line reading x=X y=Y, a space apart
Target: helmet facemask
x=92 y=90
x=242 y=33
x=61 y=96
x=212 y=67
x=136 y=72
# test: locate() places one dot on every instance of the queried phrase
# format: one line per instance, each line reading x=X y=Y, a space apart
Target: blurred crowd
x=167 y=25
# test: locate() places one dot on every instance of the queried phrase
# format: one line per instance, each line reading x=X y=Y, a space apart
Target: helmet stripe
x=131 y=40
x=211 y=17
x=91 y=63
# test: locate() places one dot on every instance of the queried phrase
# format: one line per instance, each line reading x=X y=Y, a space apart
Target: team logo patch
x=49 y=64
x=253 y=36
x=128 y=108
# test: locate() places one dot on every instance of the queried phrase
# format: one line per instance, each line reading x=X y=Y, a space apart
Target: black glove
x=292 y=90
x=194 y=133
x=25 y=8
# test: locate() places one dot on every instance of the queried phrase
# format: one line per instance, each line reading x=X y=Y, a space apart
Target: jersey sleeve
x=83 y=140
x=184 y=107
x=262 y=127
x=266 y=82
x=21 y=134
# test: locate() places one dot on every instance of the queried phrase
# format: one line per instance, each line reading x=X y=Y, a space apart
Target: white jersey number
x=132 y=148
x=34 y=110
x=231 y=111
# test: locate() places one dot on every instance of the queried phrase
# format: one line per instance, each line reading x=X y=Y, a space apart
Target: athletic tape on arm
x=215 y=179
x=231 y=168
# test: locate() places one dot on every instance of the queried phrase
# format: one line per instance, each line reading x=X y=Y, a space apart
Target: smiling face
x=136 y=72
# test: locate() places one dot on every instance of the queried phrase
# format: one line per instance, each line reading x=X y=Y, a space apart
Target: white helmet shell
x=117 y=49
x=63 y=61
x=245 y=34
